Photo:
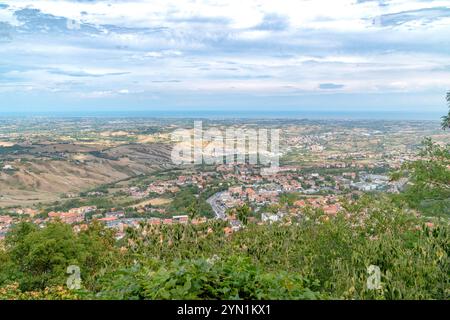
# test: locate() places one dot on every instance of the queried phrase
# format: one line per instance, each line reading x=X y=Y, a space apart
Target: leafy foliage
x=429 y=180
x=38 y=258
x=321 y=257
x=13 y=292
x=242 y=213
x=446 y=119
x=233 y=278
x=191 y=202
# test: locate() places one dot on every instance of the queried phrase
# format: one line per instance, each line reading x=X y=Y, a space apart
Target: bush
x=38 y=258
x=12 y=292
x=233 y=278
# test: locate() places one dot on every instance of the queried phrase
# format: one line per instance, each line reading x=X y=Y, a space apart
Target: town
x=322 y=164
x=236 y=186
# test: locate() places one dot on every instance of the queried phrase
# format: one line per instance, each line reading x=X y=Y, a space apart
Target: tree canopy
x=446 y=119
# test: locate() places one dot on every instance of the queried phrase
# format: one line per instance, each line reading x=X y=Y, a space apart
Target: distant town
x=118 y=172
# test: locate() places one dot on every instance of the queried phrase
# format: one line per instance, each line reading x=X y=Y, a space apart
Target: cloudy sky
x=342 y=55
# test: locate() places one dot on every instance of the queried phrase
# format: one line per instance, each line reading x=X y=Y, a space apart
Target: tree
x=288 y=199
x=446 y=119
x=193 y=211
x=40 y=257
x=428 y=188
x=242 y=213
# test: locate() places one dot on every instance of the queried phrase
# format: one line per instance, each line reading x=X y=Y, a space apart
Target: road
x=220 y=209
x=217 y=206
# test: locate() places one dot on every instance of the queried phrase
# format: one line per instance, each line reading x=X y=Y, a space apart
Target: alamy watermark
x=232 y=146
x=74 y=280
x=374 y=279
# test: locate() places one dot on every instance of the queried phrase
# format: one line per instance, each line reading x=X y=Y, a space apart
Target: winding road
x=217 y=206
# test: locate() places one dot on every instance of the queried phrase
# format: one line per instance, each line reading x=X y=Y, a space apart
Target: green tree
x=40 y=257
x=243 y=212
x=428 y=186
x=288 y=199
x=232 y=278
x=446 y=119
x=193 y=210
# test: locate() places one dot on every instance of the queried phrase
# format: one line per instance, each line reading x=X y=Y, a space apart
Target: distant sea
x=251 y=114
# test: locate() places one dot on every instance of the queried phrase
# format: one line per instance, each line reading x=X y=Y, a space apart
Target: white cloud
x=264 y=47
x=342 y=14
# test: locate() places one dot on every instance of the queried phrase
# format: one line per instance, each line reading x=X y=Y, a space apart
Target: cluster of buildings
x=114 y=220
x=74 y=215
x=161 y=187
x=5 y=224
x=25 y=211
x=242 y=184
x=371 y=182
x=121 y=224
x=329 y=204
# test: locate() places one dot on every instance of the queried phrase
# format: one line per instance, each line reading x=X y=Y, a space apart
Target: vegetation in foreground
x=320 y=258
